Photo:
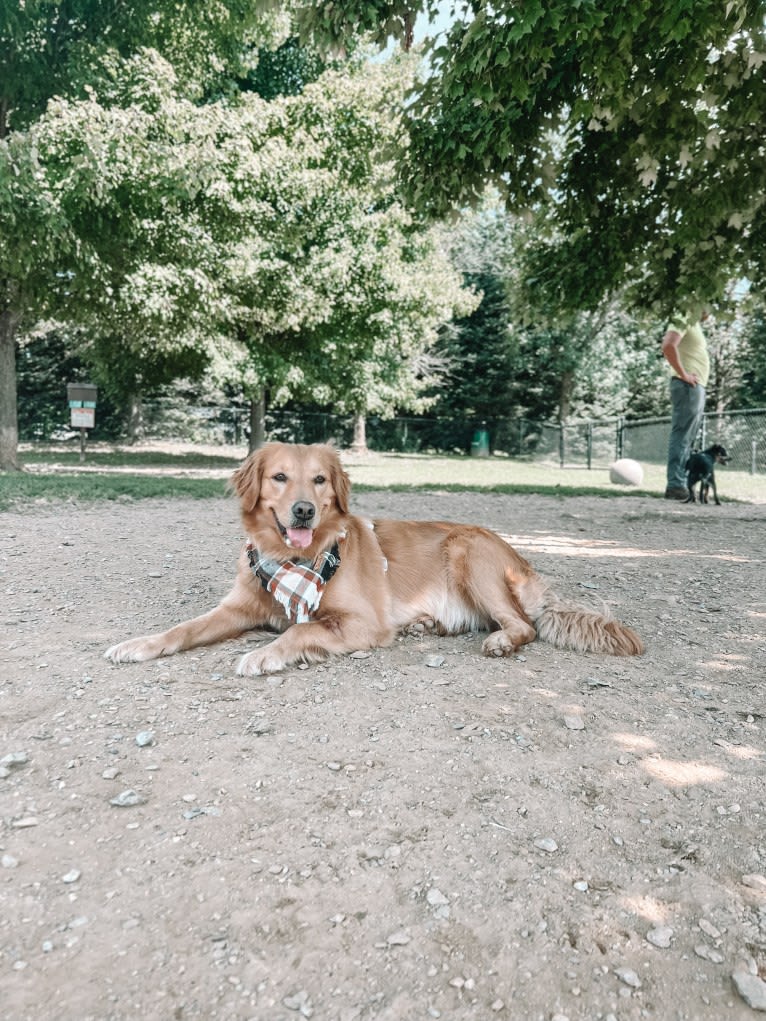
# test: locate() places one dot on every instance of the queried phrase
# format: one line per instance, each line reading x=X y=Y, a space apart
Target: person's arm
x=670 y=343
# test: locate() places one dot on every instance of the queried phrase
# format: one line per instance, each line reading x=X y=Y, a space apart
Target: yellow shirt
x=692 y=350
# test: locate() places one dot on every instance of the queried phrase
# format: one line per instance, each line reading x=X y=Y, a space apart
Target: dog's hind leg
x=484 y=573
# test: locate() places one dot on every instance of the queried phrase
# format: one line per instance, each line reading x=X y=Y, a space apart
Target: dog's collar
x=325 y=565
x=297 y=585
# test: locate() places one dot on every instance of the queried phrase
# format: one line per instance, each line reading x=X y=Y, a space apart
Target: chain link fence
x=594 y=443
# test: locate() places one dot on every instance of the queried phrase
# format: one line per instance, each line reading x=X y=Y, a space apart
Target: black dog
x=699 y=468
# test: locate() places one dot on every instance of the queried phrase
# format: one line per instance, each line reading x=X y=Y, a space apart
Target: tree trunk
x=359 y=444
x=565 y=394
x=9 y=422
x=257 y=420
x=135 y=423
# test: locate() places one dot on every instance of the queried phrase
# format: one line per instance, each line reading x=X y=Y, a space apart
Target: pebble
x=398 y=939
x=145 y=738
x=72 y=876
x=660 y=937
x=574 y=723
x=8 y=861
x=258 y=728
x=708 y=954
x=547 y=844
x=195 y=813
x=751 y=988
x=755 y=881
x=14 y=759
x=361 y=654
x=629 y=977
x=299 y=1002
x=436 y=898
x=581 y=886
x=709 y=929
x=110 y=773
x=435 y=661
x=128 y=798
x=24 y=824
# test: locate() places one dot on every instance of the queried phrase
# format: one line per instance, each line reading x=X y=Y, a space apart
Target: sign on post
x=82 y=409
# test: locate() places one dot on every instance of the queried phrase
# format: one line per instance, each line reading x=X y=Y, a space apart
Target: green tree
x=51 y=49
x=637 y=126
x=335 y=292
x=753 y=359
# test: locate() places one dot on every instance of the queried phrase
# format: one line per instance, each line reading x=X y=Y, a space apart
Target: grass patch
x=58 y=475
x=119 y=458
x=20 y=488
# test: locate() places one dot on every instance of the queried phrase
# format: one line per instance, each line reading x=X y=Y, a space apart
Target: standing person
x=685 y=349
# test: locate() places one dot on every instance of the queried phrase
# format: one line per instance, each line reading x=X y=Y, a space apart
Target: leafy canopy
x=638 y=126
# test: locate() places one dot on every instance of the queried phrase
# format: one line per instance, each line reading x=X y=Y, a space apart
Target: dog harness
x=297 y=585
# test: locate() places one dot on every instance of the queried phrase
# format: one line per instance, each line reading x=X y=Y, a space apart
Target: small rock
x=574 y=723
x=629 y=977
x=14 y=759
x=436 y=898
x=8 y=861
x=581 y=886
x=72 y=876
x=195 y=813
x=360 y=654
x=398 y=939
x=300 y=1002
x=751 y=988
x=755 y=882
x=547 y=844
x=145 y=738
x=110 y=773
x=660 y=937
x=708 y=954
x=258 y=728
x=127 y=799
x=709 y=929
x=24 y=824
x=435 y=661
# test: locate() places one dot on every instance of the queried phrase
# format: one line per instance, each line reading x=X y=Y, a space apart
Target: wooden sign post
x=82 y=407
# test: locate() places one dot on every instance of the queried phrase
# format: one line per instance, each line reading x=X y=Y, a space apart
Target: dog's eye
x=280 y=477
x=319 y=480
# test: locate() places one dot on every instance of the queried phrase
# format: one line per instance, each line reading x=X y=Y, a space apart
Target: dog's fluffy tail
x=568 y=626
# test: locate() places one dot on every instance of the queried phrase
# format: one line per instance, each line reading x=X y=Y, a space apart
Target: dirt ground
x=411 y=834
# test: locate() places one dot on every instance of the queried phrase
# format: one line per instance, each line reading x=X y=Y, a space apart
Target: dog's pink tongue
x=300 y=537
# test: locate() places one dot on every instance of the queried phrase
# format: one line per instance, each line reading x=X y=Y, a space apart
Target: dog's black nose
x=303 y=512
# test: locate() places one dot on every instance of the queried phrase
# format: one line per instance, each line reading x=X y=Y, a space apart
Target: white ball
x=626 y=472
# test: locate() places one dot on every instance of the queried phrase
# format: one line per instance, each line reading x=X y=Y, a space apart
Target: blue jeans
x=688 y=405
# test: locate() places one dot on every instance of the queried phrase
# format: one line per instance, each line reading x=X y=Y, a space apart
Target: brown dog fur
x=393 y=576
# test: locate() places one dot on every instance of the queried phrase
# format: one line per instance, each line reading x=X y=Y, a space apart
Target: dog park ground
x=415 y=832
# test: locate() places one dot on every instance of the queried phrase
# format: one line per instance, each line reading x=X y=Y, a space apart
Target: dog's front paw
x=261 y=661
x=135 y=650
x=420 y=627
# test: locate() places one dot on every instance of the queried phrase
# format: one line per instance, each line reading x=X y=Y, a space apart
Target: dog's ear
x=246 y=480
x=341 y=483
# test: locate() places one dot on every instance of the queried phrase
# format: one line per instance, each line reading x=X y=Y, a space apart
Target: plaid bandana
x=297 y=586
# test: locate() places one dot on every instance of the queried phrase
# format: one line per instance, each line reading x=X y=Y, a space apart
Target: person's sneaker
x=676 y=493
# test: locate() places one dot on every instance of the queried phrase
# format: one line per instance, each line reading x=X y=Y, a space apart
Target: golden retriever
x=332 y=582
